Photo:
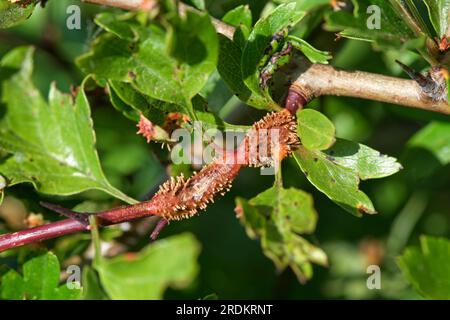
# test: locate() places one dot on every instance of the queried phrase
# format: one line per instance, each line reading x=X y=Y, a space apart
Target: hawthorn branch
x=69 y=226
x=315 y=80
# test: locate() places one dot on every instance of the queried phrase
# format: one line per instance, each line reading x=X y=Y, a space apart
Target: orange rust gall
x=181 y=198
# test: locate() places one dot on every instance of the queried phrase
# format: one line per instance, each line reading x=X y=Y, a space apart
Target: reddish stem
x=69 y=226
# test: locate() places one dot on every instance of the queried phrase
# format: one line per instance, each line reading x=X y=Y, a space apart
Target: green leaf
x=146 y=275
x=92 y=289
x=199 y=4
x=153 y=109
x=393 y=31
x=173 y=74
x=314 y=55
x=412 y=15
x=120 y=25
x=308 y=5
x=435 y=138
x=427 y=268
x=439 y=15
x=12 y=14
x=337 y=172
x=229 y=67
x=366 y=162
x=240 y=15
x=283 y=16
x=315 y=130
x=275 y=216
x=2 y=186
x=128 y=111
x=50 y=144
x=293 y=209
x=39 y=281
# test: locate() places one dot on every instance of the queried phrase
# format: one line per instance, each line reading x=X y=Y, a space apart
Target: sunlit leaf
x=427 y=268
x=12 y=14
x=428 y=150
x=391 y=30
x=169 y=262
x=439 y=11
x=337 y=171
x=174 y=74
x=40 y=280
x=49 y=143
x=276 y=216
x=283 y=16
x=314 y=55
x=315 y=130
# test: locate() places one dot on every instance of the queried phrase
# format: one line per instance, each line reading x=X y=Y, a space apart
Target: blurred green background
x=232 y=265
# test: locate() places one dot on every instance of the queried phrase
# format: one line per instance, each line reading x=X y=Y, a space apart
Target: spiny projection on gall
x=181 y=198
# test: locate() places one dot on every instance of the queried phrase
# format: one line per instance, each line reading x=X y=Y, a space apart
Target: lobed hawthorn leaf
x=173 y=74
x=50 y=144
x=285 y=15
x=439 y=12
x=315 y=130
x=393 y=31
x=427 y=268
x=276 y=216
x=230 y=64
x=229 y=67
x=146 y=274
x=230 y=53
x=40 y=280
x=290 y=207
x=12 y=14
x=337 y=171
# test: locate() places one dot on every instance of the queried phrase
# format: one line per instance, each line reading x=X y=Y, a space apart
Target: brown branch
x=315 y=80
x=69 y=226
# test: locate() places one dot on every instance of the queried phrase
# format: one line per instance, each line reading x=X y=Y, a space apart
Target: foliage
x=127 y=276
x=39 y=281
x=170 y=70
x=50 y=144
x=427 y=268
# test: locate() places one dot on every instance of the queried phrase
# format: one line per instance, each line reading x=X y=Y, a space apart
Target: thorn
x=83 y=218
x=158 y=228
x=413 y=74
